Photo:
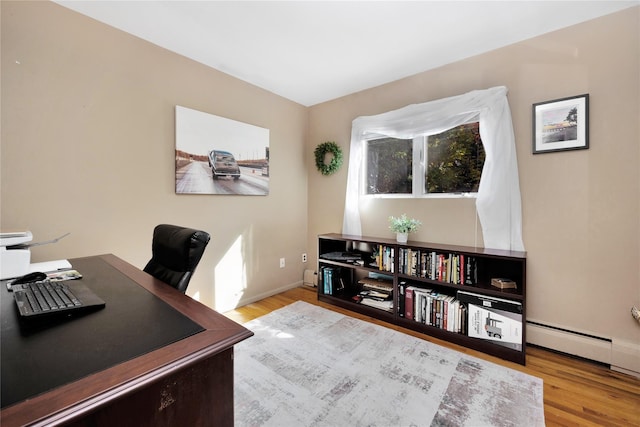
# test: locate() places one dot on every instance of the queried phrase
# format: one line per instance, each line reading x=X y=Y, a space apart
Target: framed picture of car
x=216 y=155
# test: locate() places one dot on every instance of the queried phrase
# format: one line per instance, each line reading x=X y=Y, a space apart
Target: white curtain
x=498 y=202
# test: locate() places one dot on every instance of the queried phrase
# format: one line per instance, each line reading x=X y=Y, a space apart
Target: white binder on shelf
x=493 y=319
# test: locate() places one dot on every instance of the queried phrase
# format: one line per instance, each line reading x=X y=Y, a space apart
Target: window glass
x=389 y=166
x=454 y=160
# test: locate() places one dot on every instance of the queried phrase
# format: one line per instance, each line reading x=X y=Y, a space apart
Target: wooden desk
x=187 y=382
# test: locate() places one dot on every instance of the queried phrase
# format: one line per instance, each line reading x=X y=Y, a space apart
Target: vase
x=402 y=237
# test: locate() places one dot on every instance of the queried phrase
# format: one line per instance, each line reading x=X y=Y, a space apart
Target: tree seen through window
x=454 y=160
x=389 y=166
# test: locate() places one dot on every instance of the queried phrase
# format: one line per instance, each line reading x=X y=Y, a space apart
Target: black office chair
x=176 y=252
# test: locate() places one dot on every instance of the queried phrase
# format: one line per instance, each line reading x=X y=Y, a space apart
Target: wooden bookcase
x=435 y=273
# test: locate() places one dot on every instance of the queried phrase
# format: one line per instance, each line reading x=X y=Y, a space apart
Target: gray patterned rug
x=307 y=366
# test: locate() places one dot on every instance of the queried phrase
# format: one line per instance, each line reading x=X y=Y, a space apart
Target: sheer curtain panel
x=498 y=203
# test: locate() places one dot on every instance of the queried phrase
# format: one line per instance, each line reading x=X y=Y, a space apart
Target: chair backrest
x=176 y=252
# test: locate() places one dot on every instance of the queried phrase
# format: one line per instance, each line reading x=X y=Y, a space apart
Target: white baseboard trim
x=625 y=357
x=271 y=292
x=620 y=355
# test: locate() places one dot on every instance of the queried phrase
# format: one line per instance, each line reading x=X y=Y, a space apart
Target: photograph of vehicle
x=223 y=163
x=216 y=155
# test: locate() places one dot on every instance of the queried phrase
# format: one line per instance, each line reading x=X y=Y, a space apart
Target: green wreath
x=335 y=163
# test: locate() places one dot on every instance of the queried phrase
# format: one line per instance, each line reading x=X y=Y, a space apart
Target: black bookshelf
x=436 y=273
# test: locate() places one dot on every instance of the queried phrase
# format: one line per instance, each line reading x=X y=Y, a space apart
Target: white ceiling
x=315 y=51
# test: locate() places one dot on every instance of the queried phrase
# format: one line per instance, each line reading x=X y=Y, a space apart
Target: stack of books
x=376 y=292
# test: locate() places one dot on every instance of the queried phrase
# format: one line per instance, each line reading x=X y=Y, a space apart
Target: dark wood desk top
x=213 y=333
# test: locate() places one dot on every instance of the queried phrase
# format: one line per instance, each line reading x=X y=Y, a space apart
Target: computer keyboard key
x=72 y=297
x=41 y=301
x=65 y=300
x=28 y=297
x=45 y=289
x=23 y=304
x=54 y=295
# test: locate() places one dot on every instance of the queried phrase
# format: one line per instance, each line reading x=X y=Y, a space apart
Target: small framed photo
x=561 y=124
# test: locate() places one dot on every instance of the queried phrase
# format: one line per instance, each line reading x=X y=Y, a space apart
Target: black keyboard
x=44 y=296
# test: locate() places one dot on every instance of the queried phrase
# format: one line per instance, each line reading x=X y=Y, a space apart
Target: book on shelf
x=502 y=283
x=463 y=317
x=341 y=256
x=382 y=305
x=421 y=309
x=408 y=304
x=380 y=275
x=332 y=281
x=493 y=319
x=402 y=286
x=375 y=295
x=377 y=283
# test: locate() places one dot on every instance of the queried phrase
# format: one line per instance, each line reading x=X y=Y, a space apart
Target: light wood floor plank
x=576 y=392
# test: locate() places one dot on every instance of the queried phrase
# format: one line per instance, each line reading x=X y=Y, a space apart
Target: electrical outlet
x=281 y=262
x=304 y=257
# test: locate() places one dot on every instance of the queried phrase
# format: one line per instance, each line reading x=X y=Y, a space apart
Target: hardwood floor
x=576 y=392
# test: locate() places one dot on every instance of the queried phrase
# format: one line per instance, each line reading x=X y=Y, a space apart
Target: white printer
x=15 y=256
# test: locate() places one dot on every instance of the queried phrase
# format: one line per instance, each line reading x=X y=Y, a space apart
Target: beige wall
x=580 y=208
x=88 y=148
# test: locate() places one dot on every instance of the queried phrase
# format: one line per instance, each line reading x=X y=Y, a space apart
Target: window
x=447 y=163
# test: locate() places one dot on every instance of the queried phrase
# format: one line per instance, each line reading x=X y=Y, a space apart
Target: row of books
x=384 y=258
x=453 y=268
x=332 y=281
x=432 y=308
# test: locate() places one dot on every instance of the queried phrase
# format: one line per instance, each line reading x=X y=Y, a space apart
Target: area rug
x=308 y=366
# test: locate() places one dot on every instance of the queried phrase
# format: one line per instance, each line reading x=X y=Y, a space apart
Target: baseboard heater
x=581 y=344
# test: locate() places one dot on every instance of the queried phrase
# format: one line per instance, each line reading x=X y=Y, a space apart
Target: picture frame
x=220 y=156
x=561 y=124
